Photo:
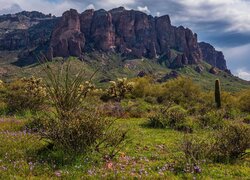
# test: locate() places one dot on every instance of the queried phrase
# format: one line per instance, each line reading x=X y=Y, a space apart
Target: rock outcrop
x=213 y=57
x=25 y=30
x=131 y=33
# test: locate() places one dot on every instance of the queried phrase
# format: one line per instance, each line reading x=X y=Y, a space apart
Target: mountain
x=133 y=34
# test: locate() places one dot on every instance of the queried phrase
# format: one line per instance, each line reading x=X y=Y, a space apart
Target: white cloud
x=90 y=6
x=13 y=8
x=144 y=9
x=238 y=60
x=158 y=14
x=235 y=12
x=242 y=73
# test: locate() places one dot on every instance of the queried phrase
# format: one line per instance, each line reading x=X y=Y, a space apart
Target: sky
x=223 y=23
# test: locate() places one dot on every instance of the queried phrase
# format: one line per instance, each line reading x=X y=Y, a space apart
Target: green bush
x=182 y=91
x=146 y=87
x=25 y=94
x=177 y=116
x=72 y=126
x=158 y=119
x=174 y=117
x=247 y=119
x=195 y=149
x=118 y=90
x=231 y=142
x=212 y=119
x=244 y=100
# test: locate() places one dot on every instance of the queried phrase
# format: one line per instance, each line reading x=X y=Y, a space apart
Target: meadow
x=63 y=125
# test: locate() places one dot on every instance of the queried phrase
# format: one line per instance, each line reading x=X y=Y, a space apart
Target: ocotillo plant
x=217 y=93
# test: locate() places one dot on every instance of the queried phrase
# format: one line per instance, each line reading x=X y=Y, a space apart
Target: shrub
x=195 y=148
x=3 y=105
x=158 y=119
x=118 y=90
x=247 y=119
x=73 y=126
x=244 y=100
x=177 y=116
x=174 y=117
x=181 y=91
x=112 y=109
x=212 y=119
x=146 y=87
x=26 y=94
x=231 y=142
x=1 y=83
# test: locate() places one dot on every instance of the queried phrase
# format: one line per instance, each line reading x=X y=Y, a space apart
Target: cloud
x=14 y=8
x=238 y=59
x=144 y=9
x=90 y=6
x=223 y=23
x=243 y=74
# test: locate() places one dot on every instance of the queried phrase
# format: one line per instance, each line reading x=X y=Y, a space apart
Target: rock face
x=213 y=57
x=25 y=30
x=131 y=33
x=67 y=39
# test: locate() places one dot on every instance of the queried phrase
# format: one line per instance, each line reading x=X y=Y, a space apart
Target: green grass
x=113 y=66
x=145 y=155
x=206 y=80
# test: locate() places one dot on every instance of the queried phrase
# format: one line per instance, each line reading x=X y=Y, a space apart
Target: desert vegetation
x=62 y=125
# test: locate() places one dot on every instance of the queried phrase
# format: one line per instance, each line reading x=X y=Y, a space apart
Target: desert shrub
x=73 y=126
x=177 y=116
x=25 y=94
x=151 y=100
x=174 y=117
x=231 y=142
x=146 y=87
x=3 y=105
x=182 y=91
x=112 y=109
x=195 y=148
x=118 y=90
x=247 y=119
x=158 y=119
x=244 y=100
x=229 y=100
x=136 y=108
x=76 y=134
x=1 y=83
x=212 y=119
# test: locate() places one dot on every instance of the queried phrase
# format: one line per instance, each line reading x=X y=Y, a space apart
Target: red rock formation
x=129 y=32
x=213 y=57
x=67 y=38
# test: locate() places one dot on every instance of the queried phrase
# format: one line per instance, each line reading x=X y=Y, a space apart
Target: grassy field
x=150 y=153
x=114 y=66
x=58 y=125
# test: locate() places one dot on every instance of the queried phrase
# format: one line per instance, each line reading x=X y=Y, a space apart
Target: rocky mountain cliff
x=130 y=33
x=213 y=57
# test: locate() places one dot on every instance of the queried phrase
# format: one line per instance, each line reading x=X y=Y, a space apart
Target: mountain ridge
x=131 y=33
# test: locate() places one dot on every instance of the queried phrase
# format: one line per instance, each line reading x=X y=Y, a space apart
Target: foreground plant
x=118 y=89
x=73 y=126
x=217 y=93
x=26 y=94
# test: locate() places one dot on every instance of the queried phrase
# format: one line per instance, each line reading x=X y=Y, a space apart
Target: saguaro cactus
x=217 y=93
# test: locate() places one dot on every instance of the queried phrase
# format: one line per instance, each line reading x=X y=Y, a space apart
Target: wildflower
x=197 y=169
x=109 y=165
x=58 y=173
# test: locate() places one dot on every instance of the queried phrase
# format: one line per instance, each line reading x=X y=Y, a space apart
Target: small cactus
x=217 y=93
